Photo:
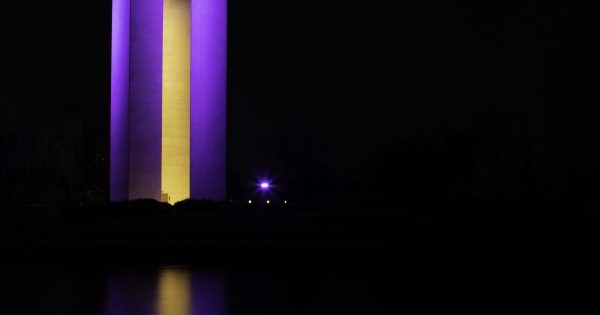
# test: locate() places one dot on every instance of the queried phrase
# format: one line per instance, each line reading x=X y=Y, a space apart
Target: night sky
x=337 y=99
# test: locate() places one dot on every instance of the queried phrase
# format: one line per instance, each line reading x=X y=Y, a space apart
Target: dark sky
x=325 y=95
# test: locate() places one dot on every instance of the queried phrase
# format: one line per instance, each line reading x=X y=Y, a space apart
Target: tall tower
x=168 y=99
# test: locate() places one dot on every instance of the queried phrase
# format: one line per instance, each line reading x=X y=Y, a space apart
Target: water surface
x=335 y=288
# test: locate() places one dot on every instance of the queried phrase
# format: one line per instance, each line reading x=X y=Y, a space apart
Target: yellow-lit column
x=175 y=172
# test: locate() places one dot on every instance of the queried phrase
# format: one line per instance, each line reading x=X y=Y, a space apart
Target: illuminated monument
x=168 y=99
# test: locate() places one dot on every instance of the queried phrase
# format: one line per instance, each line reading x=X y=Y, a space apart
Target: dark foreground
x=123 y=287
x=277 y=261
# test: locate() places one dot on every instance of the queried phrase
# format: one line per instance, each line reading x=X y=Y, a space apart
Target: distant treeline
x=42 y=161
x=495 y=161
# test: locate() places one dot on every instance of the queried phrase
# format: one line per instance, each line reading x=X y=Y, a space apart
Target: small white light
x=285 y=201
x=268 y=201
x=249 y=201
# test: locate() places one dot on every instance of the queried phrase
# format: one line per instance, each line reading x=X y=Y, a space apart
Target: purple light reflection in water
x=171 y=291
x=208 y=294
x=130 y=293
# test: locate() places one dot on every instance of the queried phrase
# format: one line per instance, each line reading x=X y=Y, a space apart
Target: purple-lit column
x=208 y=107
x=119 y=102
x=136 y=99
x=137 y=102
x=145 y=99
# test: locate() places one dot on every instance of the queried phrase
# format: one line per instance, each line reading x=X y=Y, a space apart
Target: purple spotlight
x=264 y=185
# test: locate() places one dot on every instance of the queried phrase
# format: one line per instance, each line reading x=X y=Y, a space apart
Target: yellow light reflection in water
x=175 y=173
x=174 y=292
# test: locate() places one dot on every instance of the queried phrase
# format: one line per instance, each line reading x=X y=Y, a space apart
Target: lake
x=132 y=287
